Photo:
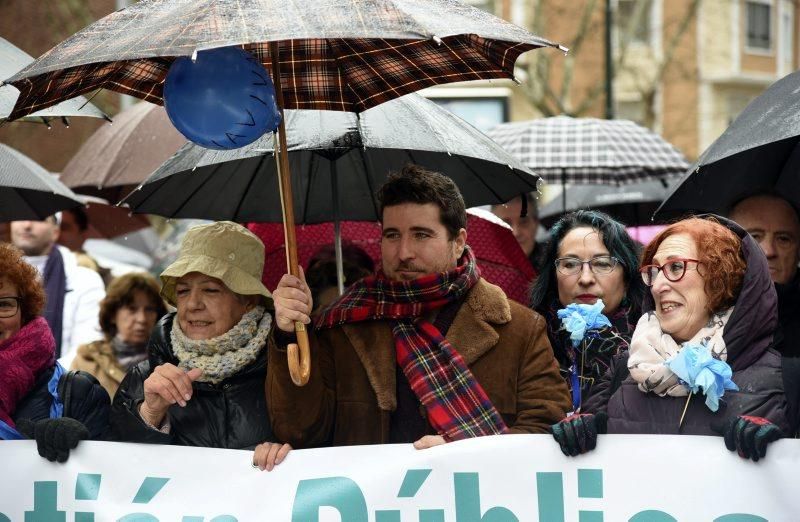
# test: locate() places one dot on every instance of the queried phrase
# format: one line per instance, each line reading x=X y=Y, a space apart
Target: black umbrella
x=333 y=153
x=632 y=204
x=28 y=191
x=330 y=152
x=759 y=152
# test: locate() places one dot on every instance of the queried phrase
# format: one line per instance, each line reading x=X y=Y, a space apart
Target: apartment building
x=685 y=68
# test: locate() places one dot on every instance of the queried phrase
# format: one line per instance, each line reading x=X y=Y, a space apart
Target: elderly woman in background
x=589 y=257
x=203 y=382
x=38 y=399
x=128 y=314
x=708 y=326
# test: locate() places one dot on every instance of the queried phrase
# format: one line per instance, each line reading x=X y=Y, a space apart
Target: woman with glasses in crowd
x=707 y=333
x=589 y=257
x=38 y=399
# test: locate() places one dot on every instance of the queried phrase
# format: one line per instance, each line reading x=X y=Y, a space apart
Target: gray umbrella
x=329 y=152
x=573 y=151
x=12 y=60
x=759 y=152
x=632 y=204
x=28 y=191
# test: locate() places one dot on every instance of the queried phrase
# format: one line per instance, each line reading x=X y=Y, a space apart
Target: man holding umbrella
x=425 y=351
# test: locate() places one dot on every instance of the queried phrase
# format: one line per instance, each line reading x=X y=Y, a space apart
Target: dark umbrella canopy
x=345 y=55
x=12 y=60
x=759 y=152
x=359 y=150
x=27 y=190
x=119 y=156
x=569 y=150
x=631 y=204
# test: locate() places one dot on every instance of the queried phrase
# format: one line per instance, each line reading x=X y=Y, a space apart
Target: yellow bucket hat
x=225 y=250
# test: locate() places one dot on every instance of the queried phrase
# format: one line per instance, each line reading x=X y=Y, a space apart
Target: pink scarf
x=23 y=358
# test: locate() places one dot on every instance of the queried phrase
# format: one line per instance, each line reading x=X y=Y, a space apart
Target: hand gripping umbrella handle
x=299 y=357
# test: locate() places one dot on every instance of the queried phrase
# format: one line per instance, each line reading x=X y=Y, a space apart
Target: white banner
x=506 y=478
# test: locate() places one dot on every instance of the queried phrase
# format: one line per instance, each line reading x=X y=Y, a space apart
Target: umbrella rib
x=250 y=182
x=478 y=177
x=196 y=190
x=312 y=163
x=368 y=171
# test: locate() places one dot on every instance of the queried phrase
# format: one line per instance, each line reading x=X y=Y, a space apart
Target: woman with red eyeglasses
x=700 y=361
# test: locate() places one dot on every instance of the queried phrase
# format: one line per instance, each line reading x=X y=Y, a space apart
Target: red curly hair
x=719 y=251
x=25 y=277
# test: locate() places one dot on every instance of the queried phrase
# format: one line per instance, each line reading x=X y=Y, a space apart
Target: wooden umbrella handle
x=299 y=355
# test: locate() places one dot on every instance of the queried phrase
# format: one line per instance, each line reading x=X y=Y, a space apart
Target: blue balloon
x=224 y=99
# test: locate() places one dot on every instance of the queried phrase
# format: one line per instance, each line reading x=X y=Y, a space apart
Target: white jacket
x=85 y=290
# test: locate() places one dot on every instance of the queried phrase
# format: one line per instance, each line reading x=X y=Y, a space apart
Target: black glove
x=54 y=437
x=578 y=433
x=748 y=436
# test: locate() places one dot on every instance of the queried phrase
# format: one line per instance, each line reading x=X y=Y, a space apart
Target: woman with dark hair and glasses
x=700 y=360
x=589 y=257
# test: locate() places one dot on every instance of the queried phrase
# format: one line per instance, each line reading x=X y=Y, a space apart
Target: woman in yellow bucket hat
x=203 y=383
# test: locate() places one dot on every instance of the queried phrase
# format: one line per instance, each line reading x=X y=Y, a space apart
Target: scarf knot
x=456 y=404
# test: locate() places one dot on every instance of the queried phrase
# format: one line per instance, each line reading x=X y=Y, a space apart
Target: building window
x=759 y=25
x=626 y=11
x=482 y=113
x=633 y=110
x=787 y=32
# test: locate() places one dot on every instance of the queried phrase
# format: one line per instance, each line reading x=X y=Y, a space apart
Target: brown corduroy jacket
x=351 y=394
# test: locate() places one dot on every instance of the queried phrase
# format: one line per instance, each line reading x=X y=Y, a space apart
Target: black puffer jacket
x=756 y=368
x=83 y=397
x=231 y=414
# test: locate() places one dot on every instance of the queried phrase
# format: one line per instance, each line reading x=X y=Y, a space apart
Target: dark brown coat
x=352 y=391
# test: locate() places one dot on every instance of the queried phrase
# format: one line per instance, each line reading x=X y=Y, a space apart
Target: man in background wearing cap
x=73 y=292
x=424 y=352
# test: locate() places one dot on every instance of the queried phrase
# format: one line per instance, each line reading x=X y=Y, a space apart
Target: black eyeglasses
x=674 y=270
x=9 y=306
x=599 y=265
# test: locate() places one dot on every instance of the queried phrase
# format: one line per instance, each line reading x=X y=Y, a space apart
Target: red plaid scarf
x=457 y=405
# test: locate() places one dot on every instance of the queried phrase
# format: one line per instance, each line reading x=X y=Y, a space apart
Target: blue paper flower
x=580 y=318
x=698 y=369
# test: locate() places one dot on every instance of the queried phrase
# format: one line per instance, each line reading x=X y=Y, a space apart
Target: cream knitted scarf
x=225 y=355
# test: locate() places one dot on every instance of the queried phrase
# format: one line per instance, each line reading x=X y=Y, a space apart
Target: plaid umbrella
x=28 y=191
x=345 y=55
x=12 y=59
x=342 y=55
x=589 y=150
